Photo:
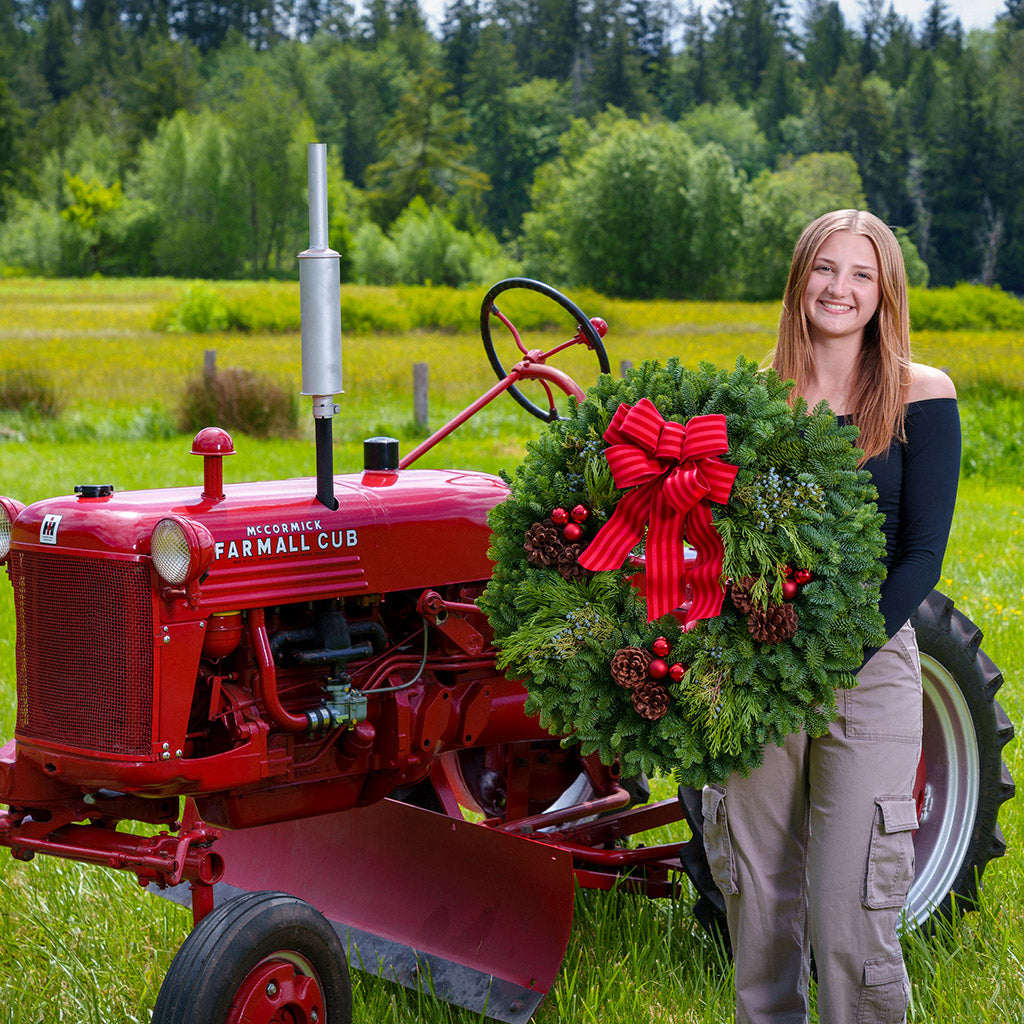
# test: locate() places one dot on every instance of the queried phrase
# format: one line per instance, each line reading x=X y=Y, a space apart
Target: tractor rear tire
x=965 y=780
x=262 y=958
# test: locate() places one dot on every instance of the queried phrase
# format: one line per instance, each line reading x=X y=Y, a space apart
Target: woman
x=814 y=851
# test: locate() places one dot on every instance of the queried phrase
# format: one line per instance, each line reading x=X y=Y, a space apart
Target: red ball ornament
x=572 y=532
x=559 y=517
x=789 y=589
x=676 y=672
x=787 y=571
x=803 y=576
x=660 y=647
x=657 y=669
x=580 y=513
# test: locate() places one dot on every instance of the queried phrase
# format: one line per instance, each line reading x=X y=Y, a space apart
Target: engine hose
x=419 y=671
x=268 y=676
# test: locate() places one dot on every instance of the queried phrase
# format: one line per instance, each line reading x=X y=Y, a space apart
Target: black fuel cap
x=94 y=490
x=380 y=453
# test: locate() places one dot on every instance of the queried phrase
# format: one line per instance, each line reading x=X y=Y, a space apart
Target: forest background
x=630 y=146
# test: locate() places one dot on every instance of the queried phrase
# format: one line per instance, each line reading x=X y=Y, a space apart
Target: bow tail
x=666 y=558
x=704 y=575
x=620 y=534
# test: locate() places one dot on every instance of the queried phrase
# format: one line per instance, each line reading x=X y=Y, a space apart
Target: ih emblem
x=48 y=529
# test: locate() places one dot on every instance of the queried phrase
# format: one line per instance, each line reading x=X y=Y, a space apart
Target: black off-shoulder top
x=916 y=482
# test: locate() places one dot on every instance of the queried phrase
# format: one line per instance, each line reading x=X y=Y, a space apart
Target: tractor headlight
x=181 y=550
x=9 y=511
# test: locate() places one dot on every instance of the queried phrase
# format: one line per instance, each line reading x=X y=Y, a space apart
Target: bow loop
x=671 y=442
x=673 y=471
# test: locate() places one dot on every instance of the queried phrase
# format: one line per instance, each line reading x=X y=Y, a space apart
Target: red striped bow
x=672 y=469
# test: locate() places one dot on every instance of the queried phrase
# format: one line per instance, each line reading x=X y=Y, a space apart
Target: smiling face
x=843 y=290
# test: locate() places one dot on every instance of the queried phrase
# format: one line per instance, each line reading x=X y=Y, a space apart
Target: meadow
x=80 y=945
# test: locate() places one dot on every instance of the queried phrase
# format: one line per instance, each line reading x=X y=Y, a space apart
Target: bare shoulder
x=929 y=382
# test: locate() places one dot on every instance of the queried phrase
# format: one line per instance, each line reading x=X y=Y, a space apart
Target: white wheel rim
x=953 y=767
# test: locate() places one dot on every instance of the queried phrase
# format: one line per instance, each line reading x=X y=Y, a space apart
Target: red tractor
x=291 y=685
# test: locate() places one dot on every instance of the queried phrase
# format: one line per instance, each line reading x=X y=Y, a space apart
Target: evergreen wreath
x=801 y=550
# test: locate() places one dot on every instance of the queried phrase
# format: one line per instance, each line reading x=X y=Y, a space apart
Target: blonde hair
x=878 y=391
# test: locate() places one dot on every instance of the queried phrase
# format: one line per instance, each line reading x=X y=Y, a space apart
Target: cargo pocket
x=885 y=993
x=717 y=842
x=890 y=867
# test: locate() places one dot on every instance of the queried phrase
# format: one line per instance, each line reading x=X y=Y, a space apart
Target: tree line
x=633 y=146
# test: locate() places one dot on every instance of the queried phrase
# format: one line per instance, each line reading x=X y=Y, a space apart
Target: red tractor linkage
x=292 y=682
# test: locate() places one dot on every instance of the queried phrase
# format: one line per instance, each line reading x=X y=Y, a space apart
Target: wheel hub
x=278 y=991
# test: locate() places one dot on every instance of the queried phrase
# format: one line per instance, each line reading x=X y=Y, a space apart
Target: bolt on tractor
x=290 y=682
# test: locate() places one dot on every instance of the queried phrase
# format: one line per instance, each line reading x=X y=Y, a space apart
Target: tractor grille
x=84 y=652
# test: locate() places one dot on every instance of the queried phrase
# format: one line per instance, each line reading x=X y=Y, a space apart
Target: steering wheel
x=588 y=333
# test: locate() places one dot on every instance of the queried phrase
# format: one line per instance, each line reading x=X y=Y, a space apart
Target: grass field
x=81 y=945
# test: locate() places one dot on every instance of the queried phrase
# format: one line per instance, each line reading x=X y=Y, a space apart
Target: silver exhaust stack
x=320 y=313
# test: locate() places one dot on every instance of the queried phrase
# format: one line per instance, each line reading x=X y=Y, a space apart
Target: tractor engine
x=246 y=646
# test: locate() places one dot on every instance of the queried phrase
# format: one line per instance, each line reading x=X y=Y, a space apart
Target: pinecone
x=776 y=623
x=739 y=592
x=629 y=666
x=543 y=544
x=651 y=700
x=569 y=567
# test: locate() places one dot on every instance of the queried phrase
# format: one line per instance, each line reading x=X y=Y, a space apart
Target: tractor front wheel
x=261 y=958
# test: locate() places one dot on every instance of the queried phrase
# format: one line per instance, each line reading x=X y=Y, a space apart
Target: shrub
x=965 y=307
x=238 y=399
x=374 y=257
x=25 y=390
x=263 y=308
x=200 y=310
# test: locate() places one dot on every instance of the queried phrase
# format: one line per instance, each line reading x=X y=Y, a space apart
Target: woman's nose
x=838 y=284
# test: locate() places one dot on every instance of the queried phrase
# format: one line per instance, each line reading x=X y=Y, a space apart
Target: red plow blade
x=478 y=917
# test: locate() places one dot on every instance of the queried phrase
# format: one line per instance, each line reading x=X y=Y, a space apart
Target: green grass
x=85 y=944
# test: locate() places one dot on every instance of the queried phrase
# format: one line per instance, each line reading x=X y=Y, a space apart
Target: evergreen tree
x=460 y=38
x=374 y=26
x=936 y=27
x=871 y=35
x=898 y=49
x=514 y=128
x=697 y=73
x=825 y=41
x=959 y=160
x=12 y=120
x=648 y=22
x=303 y=19
x=856 y=115
x=358 y=92
x=424 y=154
x=618 y=79
x=745 y=35
x=1013 y=14
x=145 y=18
x=57 y=51
x=166 y=81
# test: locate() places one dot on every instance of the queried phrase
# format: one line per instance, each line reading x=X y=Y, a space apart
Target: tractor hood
x=274 y=542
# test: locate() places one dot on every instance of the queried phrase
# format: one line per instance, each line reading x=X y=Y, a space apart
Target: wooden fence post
x=625 y=366
x=420 y=373
x=210 y=363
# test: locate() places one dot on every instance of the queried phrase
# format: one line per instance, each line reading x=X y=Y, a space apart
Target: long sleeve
x=917 y=484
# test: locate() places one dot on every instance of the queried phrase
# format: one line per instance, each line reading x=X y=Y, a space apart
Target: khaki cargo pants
x=815 y=851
